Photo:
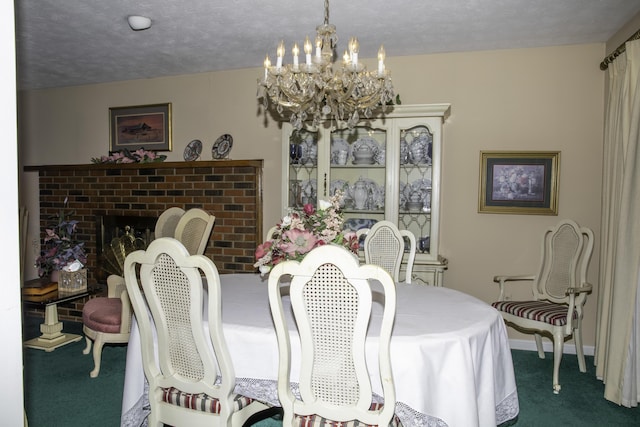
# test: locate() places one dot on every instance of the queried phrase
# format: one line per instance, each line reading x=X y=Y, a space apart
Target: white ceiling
x=70 y=42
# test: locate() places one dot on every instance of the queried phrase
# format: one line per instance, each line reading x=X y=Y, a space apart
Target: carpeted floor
x=59 y=391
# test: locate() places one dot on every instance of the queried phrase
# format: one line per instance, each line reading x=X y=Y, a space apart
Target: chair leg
x=538 y=338
x=577 y=338
x=558 y=345
x=97 y=356
x=87 y=349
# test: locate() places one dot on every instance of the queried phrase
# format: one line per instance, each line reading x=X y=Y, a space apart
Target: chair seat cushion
x=201 y=402
x=318 y=421
x=541 y=311
x=103 y=314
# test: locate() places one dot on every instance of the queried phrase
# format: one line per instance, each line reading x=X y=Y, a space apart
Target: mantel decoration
x=61 y=252
x=316 y=90
x=300 y=232
x=125 y=156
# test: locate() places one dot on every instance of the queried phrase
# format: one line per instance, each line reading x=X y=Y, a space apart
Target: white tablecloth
x=450 y=356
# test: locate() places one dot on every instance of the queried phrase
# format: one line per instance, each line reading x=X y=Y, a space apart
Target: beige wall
x=526 y=99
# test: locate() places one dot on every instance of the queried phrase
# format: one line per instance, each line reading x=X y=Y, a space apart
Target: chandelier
x=320 y=88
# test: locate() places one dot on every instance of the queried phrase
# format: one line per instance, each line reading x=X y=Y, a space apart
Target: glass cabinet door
x=303 y=168
x=358 y=168
x=415 y=184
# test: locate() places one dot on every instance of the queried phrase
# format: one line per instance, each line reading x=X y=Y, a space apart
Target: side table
x=52 y=335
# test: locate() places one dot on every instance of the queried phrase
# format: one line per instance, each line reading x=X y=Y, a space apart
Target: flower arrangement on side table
x=60 y=249
x=300 y=232
x=125 y=156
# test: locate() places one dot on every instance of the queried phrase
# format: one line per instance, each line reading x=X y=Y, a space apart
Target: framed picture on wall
x=142 y=126
x=519 y=182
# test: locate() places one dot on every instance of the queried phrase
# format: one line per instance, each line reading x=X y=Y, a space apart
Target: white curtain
x=617 y=338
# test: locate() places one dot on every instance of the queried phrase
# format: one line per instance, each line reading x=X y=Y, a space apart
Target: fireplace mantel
x=154 y=165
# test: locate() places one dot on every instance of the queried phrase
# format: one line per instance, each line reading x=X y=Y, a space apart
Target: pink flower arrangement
x=125 y=156
x=300 y=232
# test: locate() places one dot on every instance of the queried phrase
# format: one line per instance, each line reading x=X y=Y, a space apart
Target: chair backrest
x=194 y=229
x=167 y=222
x=331 y=298
x=116 y=288
x=384 y=245
x=566 y=252
x=170 y=288
x=270 y=232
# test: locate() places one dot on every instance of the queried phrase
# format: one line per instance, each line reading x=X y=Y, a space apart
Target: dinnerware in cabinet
x=424 y=244
x=355 y=224
x=360 y=193
x=340 y=184
x=309 y=191
x=310 y=150
x=364 y=150
x=295 y=153
x=339 y=147
x=380 y=156
x=417 y=152
x=371 y=198
x=339 y=157
x=404 y=151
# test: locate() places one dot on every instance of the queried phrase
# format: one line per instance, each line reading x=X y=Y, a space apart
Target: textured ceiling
x=71 y=42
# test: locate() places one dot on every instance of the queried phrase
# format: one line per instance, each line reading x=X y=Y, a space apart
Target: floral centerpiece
x=60 y=248
x=125 y=156
x=300 y=232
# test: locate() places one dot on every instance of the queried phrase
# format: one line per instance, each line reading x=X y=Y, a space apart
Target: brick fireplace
x=229 y=189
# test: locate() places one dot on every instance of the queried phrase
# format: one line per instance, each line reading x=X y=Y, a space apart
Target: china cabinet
x=388 y=168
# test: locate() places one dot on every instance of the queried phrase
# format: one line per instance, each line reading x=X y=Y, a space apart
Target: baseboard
x=530 y=345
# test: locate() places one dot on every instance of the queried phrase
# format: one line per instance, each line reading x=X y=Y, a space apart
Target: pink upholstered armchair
x=107 y=320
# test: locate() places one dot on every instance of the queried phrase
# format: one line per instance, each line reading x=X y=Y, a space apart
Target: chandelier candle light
x=315 y=90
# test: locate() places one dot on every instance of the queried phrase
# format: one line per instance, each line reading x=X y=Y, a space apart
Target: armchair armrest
x=585 y=287
x=501 y=280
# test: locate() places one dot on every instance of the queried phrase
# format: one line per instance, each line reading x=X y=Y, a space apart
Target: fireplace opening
x=116 y=236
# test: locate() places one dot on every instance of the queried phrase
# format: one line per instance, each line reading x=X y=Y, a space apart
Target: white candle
x=296 y=52
x=267 y=64
x=280 y=53
x=354 y=48
x=318 y=47
x=381 y=56
x=307 y=50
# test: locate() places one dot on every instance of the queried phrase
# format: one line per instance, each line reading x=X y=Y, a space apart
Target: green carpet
x=59 y=391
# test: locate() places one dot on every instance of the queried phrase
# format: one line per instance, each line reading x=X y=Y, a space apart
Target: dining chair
x=331 y=299
x=384 y=245
x=167 y=222
x=190 y=372
x=194 y=229
x=559 y=291
x=106 y=320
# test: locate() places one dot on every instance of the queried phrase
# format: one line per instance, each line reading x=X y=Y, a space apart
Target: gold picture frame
x=519 y=182
x=141 y=126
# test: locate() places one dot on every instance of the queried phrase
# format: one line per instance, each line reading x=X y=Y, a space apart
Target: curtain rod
x=609 y=59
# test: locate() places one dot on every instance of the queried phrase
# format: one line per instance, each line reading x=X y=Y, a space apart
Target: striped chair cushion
x=541 y=311
x=200 y=402
x=318 y=421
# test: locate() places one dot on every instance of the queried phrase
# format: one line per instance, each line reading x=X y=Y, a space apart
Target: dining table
x=450 y=355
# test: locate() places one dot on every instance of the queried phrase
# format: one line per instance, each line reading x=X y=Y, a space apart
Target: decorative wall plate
x=193 y=150
x=222 y=146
